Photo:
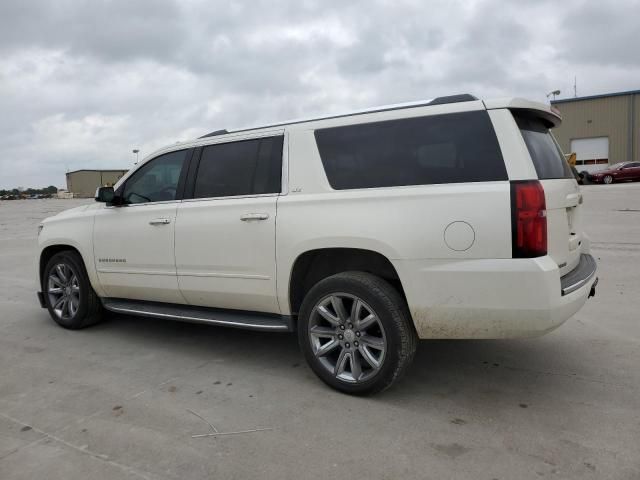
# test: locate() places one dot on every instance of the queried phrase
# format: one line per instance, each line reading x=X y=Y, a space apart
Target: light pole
x=135 y=150
x=554 y=94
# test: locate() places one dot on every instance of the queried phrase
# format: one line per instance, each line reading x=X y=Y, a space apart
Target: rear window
x=547 y=157
x=451 y=148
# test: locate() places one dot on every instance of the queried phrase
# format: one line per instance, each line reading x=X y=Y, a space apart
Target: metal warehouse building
x=83 y=183
x=600 y=129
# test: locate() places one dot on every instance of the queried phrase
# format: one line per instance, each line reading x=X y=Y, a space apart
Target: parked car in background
x=619 y=172
x=363 y=232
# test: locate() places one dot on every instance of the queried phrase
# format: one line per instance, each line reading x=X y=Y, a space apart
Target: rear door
x=562 y=193
x=226 y=232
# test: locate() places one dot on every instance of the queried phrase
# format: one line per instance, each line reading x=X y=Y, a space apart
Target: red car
x=619 y=172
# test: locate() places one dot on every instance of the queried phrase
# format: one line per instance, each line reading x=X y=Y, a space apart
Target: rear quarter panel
x=401 y=223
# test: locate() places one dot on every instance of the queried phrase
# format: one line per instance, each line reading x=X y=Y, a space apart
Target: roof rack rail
x=217 y=132
x=463 y=97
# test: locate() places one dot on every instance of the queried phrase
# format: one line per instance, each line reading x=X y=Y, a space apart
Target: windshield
x=615 y=166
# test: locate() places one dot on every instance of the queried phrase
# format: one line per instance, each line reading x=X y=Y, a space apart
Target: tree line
x=50 y=190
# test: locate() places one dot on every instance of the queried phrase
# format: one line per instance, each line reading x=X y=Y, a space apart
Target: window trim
x=180 y=188
x=233 y=197
x=189 y=190
x=183 y=174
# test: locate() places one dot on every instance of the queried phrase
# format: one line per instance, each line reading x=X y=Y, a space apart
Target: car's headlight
x=40 y=227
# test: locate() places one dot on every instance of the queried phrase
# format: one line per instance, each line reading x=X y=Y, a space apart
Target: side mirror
x=105 y=194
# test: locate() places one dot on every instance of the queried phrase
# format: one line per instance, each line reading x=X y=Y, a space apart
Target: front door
x=630 y=171
x=225 y=233
x=134 y=243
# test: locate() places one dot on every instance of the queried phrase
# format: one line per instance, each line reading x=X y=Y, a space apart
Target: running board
x=213 y=316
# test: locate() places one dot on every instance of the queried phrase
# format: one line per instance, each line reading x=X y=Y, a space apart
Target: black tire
x=388 y=306
x=89 y=310
x=585 y=177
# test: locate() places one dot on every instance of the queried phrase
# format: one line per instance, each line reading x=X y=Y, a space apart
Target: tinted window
x=547 y=158
x=249 y=167
x=457 y=147
x=157 y=180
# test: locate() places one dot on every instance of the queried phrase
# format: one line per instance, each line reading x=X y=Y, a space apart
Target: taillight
x=528 y=219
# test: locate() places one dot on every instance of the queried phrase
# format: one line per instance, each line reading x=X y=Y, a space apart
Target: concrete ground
x=114 y=401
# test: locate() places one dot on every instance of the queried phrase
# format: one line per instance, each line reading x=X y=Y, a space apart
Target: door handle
x=160 y=221
x=247 y=217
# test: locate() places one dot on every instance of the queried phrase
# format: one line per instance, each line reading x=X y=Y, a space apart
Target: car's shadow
x=465 y=369
x=208 y=342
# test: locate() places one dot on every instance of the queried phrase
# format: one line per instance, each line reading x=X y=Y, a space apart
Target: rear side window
x=451 y=148
x=547 y=158
x=249 y=167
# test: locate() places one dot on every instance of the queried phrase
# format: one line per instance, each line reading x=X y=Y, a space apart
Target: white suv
x=450 y=218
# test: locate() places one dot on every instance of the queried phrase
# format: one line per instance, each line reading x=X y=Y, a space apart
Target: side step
x=212 y=316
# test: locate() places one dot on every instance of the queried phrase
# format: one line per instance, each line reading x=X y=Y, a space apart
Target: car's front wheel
x=608 y=179
x=68 y=294
x=356 y=333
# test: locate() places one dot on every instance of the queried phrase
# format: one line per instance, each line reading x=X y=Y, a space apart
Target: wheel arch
x=49 y=251
x=314 y=265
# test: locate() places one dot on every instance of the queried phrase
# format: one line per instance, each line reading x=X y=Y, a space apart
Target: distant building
x=600 y=129
x=83 y=183
x=64 y=194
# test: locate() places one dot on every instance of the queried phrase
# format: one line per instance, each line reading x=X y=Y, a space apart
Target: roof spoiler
x=548 y=113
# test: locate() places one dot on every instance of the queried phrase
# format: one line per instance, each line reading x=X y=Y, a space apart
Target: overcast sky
x=82 y=83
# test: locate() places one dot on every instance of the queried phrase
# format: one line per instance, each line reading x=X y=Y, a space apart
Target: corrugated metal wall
x=109 y=178
x=601 y=117
x=84 y=183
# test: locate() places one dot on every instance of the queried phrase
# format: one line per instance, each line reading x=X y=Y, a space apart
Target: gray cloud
x=84 y=82
x=105 y=29
x=601 y=33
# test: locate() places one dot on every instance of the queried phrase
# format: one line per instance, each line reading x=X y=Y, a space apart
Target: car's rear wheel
x=356 y=333
x=68 y=294
x=608 y=179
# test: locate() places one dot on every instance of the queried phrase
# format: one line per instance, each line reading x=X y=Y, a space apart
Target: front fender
x=73 y=231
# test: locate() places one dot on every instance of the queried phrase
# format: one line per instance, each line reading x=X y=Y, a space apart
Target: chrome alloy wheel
x=63 y=289
x=347 y=337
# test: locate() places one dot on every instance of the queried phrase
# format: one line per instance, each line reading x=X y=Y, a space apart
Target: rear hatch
x=562 y=193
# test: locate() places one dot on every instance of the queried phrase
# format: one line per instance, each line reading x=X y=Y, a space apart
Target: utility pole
x=136 y=150
x=575 y=86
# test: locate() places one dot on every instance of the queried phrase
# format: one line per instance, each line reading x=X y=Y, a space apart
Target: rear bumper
x=493 y=298
x=579 y=276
